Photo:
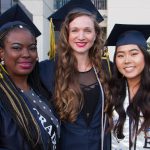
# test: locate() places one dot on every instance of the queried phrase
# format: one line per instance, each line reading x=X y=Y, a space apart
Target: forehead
x=84 y=20
x=19 y=31
x=127 y=48
x=19 y=35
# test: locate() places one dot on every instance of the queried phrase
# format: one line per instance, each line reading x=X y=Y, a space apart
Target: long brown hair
x=68 y=95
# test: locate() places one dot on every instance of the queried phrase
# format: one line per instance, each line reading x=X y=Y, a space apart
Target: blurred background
x=113 y=11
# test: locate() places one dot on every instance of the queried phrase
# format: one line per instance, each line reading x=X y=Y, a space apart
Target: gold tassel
x=1 y=76
x=106 y=56
x=52 y=50
x=2 y=68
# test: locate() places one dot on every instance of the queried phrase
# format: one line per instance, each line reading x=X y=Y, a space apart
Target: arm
x=10 y=136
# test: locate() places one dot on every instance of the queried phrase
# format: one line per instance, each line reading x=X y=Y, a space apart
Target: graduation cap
x=123 y=34
x=16 y=16
x=59 y=16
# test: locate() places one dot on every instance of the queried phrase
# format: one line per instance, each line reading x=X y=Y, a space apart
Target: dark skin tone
x=20 y=55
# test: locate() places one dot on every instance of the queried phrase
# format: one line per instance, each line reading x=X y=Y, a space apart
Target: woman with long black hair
x=129 y=109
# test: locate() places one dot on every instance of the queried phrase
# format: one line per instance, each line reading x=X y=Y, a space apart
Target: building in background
x=40 y=10
x=113 y=11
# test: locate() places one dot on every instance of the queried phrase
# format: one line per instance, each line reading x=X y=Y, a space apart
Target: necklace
x=23 y=91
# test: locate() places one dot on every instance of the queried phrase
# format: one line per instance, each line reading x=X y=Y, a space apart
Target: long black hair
x=139 y=104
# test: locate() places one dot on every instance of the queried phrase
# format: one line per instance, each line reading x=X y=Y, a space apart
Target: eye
x=88 y=31
x=16 y=47
x=119 y=55
x=73 y=30
x=33 y=47
x=134 y=54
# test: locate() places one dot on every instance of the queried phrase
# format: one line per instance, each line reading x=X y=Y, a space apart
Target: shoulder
x=47 y=73
x=47 y=64
x=47 y=67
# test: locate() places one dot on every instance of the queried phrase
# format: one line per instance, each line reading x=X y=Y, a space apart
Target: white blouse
x=142 y=142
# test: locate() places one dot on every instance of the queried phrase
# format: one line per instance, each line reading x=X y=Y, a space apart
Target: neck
x=133 y=87
x=84 y=63
x=21 y=83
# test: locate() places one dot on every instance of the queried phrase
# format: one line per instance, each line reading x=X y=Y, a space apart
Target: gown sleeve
x=47 y=73
x=10 y=135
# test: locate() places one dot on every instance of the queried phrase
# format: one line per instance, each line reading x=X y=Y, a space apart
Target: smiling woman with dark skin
x=19 y=54
x=27 y=118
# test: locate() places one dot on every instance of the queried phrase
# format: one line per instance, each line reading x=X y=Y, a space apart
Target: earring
x=2 y=61
x=37 y=59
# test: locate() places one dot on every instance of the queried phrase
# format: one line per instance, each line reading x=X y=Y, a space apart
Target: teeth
x=129 y=69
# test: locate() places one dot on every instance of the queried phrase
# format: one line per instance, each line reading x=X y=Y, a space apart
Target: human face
x=130 y=61
x=81 y=34
x=19 y=52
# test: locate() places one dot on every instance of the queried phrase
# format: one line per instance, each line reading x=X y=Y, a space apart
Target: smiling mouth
x=129 y=69
x=80 y=44
x=26 y=65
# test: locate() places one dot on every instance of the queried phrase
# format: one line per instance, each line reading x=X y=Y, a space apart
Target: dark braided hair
x=14 y=103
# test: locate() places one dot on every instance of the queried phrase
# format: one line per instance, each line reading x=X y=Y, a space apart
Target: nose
x=25 y=52
x=81 y=35
x=127 y=59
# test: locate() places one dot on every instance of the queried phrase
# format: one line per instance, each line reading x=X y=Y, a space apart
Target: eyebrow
x=88 y=27
x=133 y=49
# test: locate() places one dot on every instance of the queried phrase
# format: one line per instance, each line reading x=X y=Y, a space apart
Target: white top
x=142 y=143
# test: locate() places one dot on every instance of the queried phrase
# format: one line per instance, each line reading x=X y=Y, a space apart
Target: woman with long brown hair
x=80 y=89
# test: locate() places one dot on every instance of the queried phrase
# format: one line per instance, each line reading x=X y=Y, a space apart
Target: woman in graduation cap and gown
x=129 y=109
x=27 y=117
x=80 y=87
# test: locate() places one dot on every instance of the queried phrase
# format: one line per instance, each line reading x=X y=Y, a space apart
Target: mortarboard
x=16 y=16
x=59 y=16
x=123 y=34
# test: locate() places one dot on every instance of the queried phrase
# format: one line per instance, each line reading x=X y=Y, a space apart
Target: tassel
x=52 y=50
x=2 y=69
x=106 y=56
x=1 y=76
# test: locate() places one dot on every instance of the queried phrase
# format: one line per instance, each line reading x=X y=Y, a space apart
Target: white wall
x=41 y=9
x=127 y=12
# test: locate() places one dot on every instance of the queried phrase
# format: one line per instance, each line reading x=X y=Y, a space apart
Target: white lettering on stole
x=42 y=119
x=48 y=129
x=147 y=139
